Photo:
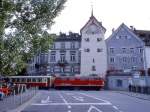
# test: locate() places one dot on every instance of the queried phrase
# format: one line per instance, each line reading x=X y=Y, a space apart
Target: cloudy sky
x=110 y=12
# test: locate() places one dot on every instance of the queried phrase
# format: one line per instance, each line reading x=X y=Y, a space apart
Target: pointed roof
x=123 y=26
x=91 y=20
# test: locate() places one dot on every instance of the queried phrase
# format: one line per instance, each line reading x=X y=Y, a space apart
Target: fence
x=18 y=96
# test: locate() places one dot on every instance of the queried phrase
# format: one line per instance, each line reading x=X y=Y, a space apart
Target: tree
x=24 y=26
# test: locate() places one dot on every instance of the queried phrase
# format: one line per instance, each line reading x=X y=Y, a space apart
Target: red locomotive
x=78 y=82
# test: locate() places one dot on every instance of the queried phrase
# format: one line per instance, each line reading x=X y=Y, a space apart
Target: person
x=1 y=95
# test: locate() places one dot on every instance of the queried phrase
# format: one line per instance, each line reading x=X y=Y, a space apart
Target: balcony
x=62 y=63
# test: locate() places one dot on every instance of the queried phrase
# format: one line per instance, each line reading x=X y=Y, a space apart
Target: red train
x=80 y=82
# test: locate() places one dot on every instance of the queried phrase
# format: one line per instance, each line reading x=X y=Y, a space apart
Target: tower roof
x=91 y=20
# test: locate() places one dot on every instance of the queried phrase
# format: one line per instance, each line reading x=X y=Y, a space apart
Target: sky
x=110 y=12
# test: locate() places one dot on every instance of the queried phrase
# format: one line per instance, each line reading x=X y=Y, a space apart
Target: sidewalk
x=137 y=95
x=12 y=102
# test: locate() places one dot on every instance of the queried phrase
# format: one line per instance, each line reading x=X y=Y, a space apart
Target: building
x=145 y=36
x=63 y=58
x=74 y=54
x=93 y=48
x=125 y=50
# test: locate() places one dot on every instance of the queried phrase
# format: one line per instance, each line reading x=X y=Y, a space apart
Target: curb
x=134 y=95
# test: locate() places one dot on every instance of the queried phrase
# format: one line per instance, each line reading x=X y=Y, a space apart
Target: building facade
x=63 y=58
x=93 y=48
x=125 y=50
x=144 y=35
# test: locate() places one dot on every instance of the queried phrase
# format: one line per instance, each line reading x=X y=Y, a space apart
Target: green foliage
x=29 y=21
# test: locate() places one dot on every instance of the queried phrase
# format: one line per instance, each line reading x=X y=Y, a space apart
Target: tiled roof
x=144 y=35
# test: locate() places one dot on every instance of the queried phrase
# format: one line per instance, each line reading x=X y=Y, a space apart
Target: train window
x=23 y=80
x=18 y=80
x=44 y=80
x=33 y=80
x=28 y=80
x=13 y=80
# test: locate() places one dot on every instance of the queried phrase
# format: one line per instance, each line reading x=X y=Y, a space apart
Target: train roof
x=29 y=76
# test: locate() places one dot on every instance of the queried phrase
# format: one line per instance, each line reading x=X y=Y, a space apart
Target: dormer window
x=99 y=50
x=99 y=39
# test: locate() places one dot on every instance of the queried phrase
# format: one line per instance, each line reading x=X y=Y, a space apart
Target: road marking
x=65 y=101
x=69 y=110
x=95 y=98
x=46 y=101
x=115 y=107
x=69 y=93
x=69 y=107
x=53 y=104
x=78 y=98
x=93 y=108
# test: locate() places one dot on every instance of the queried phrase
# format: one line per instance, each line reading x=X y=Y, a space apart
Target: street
x=86 y=101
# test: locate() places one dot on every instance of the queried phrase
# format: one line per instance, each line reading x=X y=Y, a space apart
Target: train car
x=80 y=82
x=33 y=81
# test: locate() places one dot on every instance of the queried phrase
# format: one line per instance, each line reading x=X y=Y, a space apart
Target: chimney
x=132 y=28
x=113 y=30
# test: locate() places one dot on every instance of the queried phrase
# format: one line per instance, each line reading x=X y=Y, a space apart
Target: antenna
x=91 y=8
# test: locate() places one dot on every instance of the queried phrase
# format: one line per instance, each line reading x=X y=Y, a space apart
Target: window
x=72 y=57
x=132 y=50
x=99 y=50
x=93 y=60
x=87 y=50
x=99 y=39
x=72 y=69
x=140 y=50
x=141 y=59
x=53 y=46
x=72 y=45
x=119 y=83
x=112 y=60
x=62 y=45
x=133 y=59
x=124 y=59
x=123 y=50
x=87 y=39
x=62 y=69
x=52 y=69
x=93 y=68
x=111 y=50
x=52 y=57
x=62 y=57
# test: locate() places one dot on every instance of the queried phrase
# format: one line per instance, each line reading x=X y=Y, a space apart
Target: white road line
x=46 y=101
x=78 y=98
x=93 y=108
x=69 y=93
x=115 y=107
x=95 y=98
x=69 y=107
x=65 y=101
x=53 y=104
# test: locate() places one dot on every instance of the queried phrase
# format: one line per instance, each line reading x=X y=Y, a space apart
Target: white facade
x=147 y=52
x=93 y=48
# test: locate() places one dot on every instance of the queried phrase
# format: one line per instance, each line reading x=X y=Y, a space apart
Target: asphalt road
x=86 y=101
